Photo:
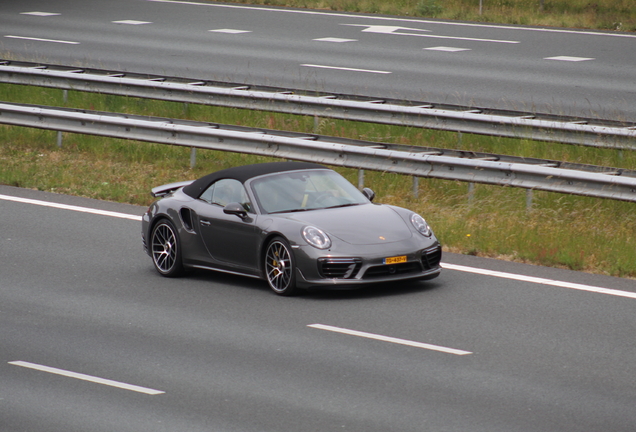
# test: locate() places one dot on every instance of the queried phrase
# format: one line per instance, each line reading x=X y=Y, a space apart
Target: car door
x=230 y=239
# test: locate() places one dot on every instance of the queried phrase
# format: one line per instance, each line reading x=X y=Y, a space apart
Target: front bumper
x=340 y=271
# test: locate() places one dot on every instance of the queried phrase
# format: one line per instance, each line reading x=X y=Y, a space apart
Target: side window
x=226 y=191
x=207 y=195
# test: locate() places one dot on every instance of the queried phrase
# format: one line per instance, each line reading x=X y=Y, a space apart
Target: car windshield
x=305 y=190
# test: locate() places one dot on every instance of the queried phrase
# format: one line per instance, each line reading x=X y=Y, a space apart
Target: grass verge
x=572 y=232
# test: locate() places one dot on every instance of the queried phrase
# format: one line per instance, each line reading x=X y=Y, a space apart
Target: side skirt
x=225 y=271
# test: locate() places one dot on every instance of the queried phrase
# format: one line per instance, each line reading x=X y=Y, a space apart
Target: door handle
x=205 y=222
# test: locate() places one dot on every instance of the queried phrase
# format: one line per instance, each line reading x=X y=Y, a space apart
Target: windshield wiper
x=314 y=208
x=292 y=210
x=343 y=205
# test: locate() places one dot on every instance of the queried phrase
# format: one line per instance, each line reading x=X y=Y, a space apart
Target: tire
x=166 y=249
x=280 y=267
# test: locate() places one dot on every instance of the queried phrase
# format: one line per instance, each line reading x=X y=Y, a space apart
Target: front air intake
x=431 y=257
x=339 y=268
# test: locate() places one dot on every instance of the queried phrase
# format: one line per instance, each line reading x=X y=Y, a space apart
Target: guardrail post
x=59 y=134
x=529 y=195
x=360 y=179
x=471 y=193
x=193 y=157
x=416 y=187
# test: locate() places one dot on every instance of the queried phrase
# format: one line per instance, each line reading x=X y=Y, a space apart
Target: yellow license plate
x=395 y=260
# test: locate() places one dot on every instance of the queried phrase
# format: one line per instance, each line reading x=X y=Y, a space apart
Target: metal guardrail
x=415 y=161
x=513 y=124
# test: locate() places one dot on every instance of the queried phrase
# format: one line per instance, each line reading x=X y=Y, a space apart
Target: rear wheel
x=166 y=249
x=280 y=269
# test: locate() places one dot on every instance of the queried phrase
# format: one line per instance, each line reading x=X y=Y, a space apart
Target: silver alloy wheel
x=279 y=267
x=165 y=249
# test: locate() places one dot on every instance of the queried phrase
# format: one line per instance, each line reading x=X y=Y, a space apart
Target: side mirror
x=368 y=193
x=235 y=209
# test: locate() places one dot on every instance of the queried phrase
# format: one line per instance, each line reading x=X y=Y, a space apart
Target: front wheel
x=166 y=249
x=280 y=269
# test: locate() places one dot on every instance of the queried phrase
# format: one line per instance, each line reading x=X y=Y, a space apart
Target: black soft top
x=244 y=173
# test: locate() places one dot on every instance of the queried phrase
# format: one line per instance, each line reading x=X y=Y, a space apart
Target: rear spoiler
x=161 y=191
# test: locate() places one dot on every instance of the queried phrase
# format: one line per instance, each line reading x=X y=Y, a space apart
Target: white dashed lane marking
x=447 y=49
x=42 y=14
x=84 y=377
x=230 y=31
x=131 y=22
x=333 y=39
x=345 y=69
x=390 y=339
x=568 y=58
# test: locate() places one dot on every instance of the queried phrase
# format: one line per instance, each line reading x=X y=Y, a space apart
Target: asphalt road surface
x=93 y=339
x=559 y=71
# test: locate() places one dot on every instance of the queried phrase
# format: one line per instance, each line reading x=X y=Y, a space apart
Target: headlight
x=316 y=237
x=420 y=225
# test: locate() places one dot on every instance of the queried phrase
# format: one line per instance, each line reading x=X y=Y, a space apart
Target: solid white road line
x=541 y=281
x=83 y=377
x=41 y=40
x=389 y=339
x=345 y=69
x=447 y=266
x=70 y=207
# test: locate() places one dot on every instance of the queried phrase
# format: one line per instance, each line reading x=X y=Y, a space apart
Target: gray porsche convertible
x=294 y=224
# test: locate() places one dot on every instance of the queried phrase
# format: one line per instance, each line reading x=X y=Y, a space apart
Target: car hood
x=365 y=224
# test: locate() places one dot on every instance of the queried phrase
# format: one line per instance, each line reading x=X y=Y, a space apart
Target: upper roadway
x=549 y=70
